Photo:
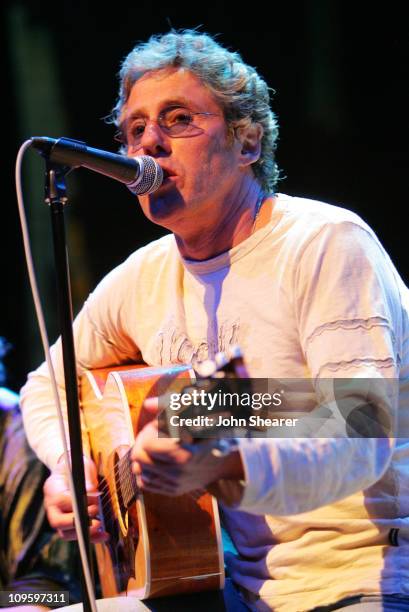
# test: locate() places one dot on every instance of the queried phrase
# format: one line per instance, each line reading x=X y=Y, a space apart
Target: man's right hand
x=58 y=502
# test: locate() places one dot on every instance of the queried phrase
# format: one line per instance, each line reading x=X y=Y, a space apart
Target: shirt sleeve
x=348 y=311
x=102 y=338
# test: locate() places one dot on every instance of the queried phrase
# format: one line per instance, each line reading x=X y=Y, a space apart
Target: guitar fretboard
x=126 y=480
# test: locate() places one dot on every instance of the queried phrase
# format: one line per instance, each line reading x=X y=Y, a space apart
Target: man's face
x=201 y=168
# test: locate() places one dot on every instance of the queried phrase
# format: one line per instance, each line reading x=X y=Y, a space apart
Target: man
x=304 y=288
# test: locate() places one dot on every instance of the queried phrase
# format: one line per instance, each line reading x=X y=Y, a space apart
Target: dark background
x=340 y=71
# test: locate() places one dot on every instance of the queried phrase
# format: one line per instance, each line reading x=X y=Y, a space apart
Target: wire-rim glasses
x=176 y=122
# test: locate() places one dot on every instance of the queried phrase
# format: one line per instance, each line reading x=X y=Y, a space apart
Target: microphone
x=141 y=175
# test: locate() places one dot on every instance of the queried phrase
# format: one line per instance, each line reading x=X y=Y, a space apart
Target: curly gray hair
x=242 y=94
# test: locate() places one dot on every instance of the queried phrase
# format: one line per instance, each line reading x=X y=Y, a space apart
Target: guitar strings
x=128 y=485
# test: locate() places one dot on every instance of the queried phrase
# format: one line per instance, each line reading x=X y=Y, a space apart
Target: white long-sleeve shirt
x=311 y=296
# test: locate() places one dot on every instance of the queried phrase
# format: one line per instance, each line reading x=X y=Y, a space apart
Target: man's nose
x=154 y=141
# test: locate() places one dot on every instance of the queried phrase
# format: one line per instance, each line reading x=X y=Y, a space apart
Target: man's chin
x=162 y=205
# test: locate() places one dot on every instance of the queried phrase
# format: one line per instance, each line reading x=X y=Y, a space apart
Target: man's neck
x=235 y=223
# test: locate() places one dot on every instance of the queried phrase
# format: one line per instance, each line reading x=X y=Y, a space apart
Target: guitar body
x=159 y=545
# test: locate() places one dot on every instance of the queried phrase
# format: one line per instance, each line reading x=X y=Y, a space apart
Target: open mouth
x=168 y=177
x=167 y=173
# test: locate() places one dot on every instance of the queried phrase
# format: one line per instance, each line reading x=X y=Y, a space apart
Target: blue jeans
x=369 y=603
x=362 y=603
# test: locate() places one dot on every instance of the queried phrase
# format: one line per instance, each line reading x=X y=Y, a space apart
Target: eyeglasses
x=176 y=122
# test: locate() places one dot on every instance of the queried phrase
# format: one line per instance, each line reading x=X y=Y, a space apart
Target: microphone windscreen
x=150 y=176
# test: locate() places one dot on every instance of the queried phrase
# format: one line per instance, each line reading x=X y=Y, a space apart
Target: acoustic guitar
x=158 y=545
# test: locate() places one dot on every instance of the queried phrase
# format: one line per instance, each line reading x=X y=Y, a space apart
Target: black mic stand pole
x=55 y=197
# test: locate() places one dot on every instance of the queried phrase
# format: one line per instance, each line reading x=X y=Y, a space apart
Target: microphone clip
x=55 y=185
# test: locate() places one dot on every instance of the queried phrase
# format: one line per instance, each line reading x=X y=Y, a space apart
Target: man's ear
x=250 y=139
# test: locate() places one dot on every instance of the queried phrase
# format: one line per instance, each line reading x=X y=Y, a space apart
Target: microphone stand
x=55 y=197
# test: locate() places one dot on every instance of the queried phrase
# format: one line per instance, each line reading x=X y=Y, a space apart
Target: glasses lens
x=176 y=121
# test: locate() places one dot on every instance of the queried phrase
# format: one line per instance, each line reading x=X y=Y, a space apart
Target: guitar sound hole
x=121 y=490
x=128 y=536
x=109 y=517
